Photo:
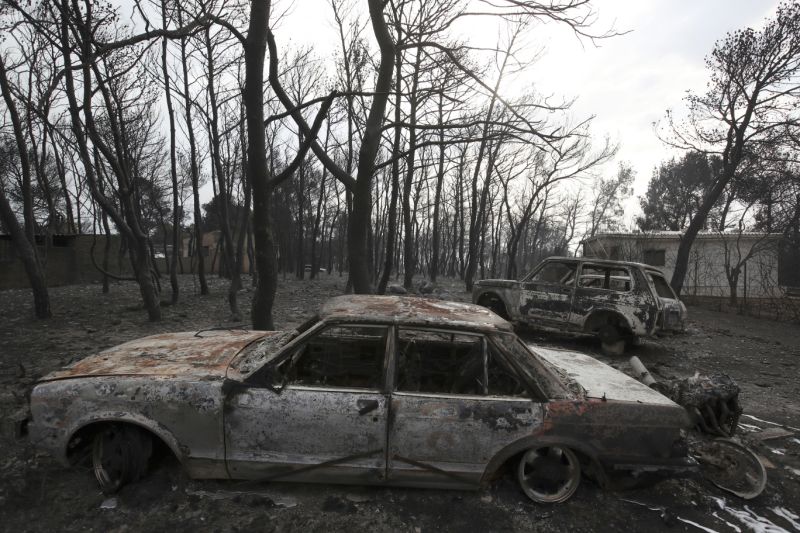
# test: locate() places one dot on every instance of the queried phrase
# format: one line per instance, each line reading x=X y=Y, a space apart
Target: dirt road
x=38 y=495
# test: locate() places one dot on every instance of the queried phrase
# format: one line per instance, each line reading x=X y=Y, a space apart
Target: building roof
x=597 y=260
x=676 y=235
x=411 y=310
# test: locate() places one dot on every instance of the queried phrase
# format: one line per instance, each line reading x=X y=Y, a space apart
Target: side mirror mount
x=274 y=380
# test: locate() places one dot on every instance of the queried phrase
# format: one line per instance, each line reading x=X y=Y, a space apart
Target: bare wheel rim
x=549 y=474
x=110 y=459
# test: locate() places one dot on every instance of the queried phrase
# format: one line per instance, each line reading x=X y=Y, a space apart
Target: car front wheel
x=120 y=455
x=549 y=474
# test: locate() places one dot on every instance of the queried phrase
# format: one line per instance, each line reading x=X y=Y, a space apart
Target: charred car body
x=376 y=390
x=615 y=300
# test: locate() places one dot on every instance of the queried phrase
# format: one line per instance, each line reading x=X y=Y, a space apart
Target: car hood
x=496 y=283
x=600 y=380
x=204 y=354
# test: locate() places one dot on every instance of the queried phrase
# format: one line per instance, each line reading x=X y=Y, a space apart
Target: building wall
x=707 y=260
x=66 y=259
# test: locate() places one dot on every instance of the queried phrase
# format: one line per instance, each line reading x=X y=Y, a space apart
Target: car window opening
x=339 y=356
x=608 y=278
x=451 y=363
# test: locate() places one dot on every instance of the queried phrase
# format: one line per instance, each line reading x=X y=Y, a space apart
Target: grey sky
x=627 y=82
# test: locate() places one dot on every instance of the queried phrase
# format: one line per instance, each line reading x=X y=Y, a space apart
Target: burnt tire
x=549 y=474
x=611 y=340
x=120 y=455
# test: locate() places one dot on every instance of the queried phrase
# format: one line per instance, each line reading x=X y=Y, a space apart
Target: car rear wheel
x=549 y=474
x=494 y=304
x=611 y=340
x=120 y=455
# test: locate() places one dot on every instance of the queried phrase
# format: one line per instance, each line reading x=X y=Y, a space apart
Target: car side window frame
x=261 y=377
x=532 y=393
x=395 y=358
x=608 y=268
x=545 y=264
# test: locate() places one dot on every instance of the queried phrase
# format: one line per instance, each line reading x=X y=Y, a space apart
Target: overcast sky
x=626 y=82
x=631 y=80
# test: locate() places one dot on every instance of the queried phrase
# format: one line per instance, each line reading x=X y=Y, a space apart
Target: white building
x=757 y=256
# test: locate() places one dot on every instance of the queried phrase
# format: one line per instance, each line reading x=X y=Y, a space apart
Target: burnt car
x=615 y=300
x=375 y=390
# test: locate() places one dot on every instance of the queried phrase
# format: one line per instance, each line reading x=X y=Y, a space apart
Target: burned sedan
x=376 y=390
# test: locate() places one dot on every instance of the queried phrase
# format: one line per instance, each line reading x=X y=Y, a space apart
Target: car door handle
x=367 y=406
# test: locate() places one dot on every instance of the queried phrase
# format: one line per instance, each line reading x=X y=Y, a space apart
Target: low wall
x=783 y=308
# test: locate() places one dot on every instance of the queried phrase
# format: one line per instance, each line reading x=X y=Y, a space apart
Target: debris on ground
x=712 y=401
x=713 y=405
x=109 y=503
x=730 y=466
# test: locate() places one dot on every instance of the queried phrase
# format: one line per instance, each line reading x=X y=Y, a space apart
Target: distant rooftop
x=677 y=235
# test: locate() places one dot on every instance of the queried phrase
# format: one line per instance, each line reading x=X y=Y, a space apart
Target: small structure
x=67 y=259
x=721 y=264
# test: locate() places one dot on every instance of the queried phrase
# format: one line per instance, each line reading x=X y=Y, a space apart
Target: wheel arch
x=89 y=425
x=488 y=296
x=602 y=316
x=501 y=458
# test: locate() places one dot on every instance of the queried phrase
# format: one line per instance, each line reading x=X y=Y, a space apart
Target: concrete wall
x=66 y=259
x=707 y=260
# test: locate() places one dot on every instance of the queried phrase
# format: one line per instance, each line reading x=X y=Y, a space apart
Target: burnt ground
x=37 y=494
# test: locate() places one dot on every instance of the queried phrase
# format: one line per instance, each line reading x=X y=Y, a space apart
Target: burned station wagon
x=615 y=300
x=375 y=390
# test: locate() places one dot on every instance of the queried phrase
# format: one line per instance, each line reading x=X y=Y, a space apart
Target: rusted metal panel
x=411 y=311
x=437 y=440
x=202 y=355
x=273 y=434
x=600 y=380
x=185 y=413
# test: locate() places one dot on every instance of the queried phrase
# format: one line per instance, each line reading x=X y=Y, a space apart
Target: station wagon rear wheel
x=120 y=455
x=549 y=474
x=611 y=340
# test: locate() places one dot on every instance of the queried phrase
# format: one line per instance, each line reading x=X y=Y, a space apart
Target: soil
x=37 y=494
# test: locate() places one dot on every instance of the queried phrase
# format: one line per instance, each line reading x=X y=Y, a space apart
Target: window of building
x=655 y=257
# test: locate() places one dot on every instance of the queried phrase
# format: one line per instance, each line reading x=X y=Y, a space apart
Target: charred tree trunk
x=436 y=230
x=391 y=222
x=222 y=192
x=257 y=168
x=195 y=171
x=24 y=239
x=409 y=242
x=173 y=168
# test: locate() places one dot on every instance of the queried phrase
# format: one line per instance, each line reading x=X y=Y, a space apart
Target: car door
x=602 y=286
x=546 y=295
x=318 y=414
x=454 y=406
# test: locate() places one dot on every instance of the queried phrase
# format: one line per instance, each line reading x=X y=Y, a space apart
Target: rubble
x=712 y=401
x=713 y=404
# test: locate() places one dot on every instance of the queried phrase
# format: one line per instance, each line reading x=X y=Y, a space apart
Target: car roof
x=610 y=262
x=412 y=311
